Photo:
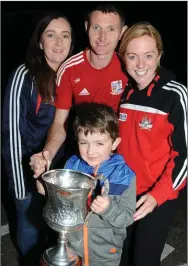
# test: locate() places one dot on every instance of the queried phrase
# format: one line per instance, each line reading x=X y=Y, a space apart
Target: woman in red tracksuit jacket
x=152 y=120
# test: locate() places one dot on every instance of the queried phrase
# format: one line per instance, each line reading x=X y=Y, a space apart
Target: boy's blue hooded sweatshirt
x=107 y=231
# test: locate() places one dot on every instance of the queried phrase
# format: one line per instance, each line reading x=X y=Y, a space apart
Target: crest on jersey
x=146 y=123
x=116 y=87
x=122 y=116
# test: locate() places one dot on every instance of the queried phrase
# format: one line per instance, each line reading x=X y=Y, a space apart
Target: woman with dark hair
x=28 y=113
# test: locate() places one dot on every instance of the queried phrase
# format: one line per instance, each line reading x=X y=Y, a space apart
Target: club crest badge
x=116 y=87
x=146 y=123
x=122 y=117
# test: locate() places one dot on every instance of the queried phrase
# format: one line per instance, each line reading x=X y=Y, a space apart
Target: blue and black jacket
x=107 y=231
x=115 y=170
x=26 y=121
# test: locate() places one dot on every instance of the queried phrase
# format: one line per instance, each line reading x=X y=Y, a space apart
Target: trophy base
x=54 y=257
x=43 y=263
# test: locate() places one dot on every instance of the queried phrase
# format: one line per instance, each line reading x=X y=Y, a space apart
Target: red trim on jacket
x=39 y=100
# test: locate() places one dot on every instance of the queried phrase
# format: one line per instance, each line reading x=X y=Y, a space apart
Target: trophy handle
x=106 y=190
x=106 y=183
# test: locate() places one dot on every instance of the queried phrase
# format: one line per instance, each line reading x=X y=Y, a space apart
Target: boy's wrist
x=106 y=211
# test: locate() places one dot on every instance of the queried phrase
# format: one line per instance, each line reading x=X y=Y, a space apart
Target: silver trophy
x=66 y=210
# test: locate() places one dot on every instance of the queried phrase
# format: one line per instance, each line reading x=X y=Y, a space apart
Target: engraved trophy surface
x=65 y=211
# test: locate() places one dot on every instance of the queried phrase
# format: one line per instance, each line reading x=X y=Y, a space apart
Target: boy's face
x=96 y=148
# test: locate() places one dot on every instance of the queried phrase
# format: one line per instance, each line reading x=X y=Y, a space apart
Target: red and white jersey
x=78 y=82
x=153 y=129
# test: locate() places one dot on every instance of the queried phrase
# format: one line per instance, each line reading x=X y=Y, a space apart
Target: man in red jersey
x=93 y=75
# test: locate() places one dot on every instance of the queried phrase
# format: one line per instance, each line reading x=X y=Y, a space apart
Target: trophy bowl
x=65 y=211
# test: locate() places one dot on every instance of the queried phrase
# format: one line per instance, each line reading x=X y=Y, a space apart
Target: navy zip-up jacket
x=26 y=121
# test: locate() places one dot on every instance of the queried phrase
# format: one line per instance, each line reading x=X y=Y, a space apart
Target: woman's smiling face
x=141 y=59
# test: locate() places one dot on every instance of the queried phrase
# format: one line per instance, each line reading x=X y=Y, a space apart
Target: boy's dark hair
x=107 y=8
x=95 y=117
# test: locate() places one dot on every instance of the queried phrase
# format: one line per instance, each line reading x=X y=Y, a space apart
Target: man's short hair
x=107 y=8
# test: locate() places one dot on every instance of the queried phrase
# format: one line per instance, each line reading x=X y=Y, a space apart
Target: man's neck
x=98 y=61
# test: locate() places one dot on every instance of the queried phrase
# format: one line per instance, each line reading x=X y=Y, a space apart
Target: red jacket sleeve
x=176 y=167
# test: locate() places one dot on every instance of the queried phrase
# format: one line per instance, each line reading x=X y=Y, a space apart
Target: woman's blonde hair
x=138 y=30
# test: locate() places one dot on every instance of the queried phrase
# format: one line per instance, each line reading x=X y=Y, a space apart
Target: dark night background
x=169 y=17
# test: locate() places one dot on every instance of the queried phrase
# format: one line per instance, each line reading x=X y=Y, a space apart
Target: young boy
x=96 y=130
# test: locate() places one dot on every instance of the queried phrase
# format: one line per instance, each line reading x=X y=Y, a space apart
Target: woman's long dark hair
x=44 y=75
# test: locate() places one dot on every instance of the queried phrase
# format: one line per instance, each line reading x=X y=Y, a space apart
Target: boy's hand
x=101 y=203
